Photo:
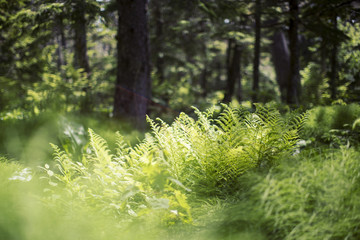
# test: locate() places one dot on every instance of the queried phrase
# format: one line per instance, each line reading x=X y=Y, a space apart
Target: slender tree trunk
x=256 y=64
x=293 y=90
x=204 y=72
x=80 y=53
x=323 y=57
x=62 y=39
x=281 y=61
x=233 y=71
x=203 y=80
x=159 y=52
x=239 y=95
x=61 y=42
x=219 y=72
x=80 y=43
x=59 y=51
x=333 y=60
x=133 y=83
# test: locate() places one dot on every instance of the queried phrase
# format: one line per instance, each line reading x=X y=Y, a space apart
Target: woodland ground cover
x=226 y=173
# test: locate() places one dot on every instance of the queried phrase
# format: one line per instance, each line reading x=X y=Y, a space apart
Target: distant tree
x=233 y=68
x=158 y=43
x=133 y=83
x=334 y=62
x=61 y=41
x=281 y=60
x=82 y=12
x=293 y=87
x=81 y=59
x=256 y=63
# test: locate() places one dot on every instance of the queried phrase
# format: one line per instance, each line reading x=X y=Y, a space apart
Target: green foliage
x=128 y=184
x=315 y=86
x=210 y=153
x=333 y=124
x=314 y=197
x=227 y=173
x=349 y=55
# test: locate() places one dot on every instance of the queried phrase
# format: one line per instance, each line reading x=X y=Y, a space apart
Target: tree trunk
x=204 y=72
x=281 y=61
x=133 y=83
x=63 y=39
x=233 y=69
x=239 y=95
x=203 y=80
x=293 y=88
x=333 y=60
x=61 y=42
x=256 y=63
x=80 y=52
x=159 y=52
x=80 y=44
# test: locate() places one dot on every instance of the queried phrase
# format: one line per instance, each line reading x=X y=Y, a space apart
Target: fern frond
x=269 y=116
x=100 y=147
x=299 y=121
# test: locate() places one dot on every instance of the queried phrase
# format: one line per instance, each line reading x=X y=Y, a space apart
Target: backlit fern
x=206 y=155
x=209 y=154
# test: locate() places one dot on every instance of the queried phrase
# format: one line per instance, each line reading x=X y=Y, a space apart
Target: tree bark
x=133 y=83
x=80 y=43
x=233 y=69
x=159 y=52
x=333 y=60
x=281 y=61
x=293 y=88
x=61 y=41
x=203 y=80
x=256 y=63
x=80 y=52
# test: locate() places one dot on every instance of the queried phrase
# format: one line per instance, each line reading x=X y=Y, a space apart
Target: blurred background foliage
x=201 y=53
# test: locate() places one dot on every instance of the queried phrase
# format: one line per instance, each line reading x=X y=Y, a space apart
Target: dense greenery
x=227 y=173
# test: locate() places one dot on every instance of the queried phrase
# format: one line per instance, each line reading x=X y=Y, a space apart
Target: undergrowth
x=210 y=153
x=227 y=173
x=312 y=196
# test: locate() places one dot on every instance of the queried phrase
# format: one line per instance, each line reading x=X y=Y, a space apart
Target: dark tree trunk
x=80 y=53
x=233 y=69
x=219 y=72
x=323 y=57
x=159 y=52
x=61 y=42
x=203 y=81
x=133 y=83
x=80 y=44
x=293 y=89
x=59 y=53
x=256 y=63
x=281 y=61
x=333 y=60
x=239 y=95
x=204 y=72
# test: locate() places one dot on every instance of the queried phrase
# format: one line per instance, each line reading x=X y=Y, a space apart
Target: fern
x=203 y=156
x=210 y=154
x=133 y=180
x=99 y=146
